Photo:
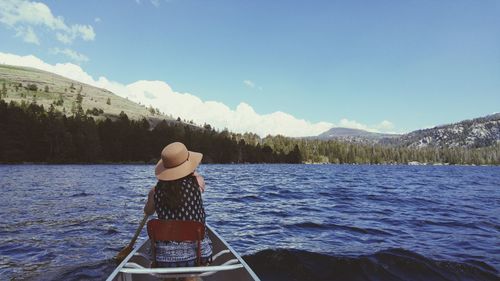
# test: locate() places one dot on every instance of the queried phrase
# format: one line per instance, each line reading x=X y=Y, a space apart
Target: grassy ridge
x=28 y=84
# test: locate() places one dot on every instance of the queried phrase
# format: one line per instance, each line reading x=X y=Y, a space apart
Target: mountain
x=478 y=132
x=29 y=84
x=353 y=135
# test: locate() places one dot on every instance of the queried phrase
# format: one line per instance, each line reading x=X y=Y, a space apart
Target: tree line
x=334 y=151
x=32 y=134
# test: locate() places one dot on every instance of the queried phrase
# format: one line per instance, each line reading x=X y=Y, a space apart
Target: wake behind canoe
x=226 y=265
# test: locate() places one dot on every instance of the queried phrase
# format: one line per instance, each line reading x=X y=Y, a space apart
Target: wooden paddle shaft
x=138 y=231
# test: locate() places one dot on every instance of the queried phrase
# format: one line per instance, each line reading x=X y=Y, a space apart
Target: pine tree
x=79 y=99
x=60 y=100
x=4 y=90
x=73 y=108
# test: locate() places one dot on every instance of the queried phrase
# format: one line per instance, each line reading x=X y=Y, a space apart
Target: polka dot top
x=190 y=207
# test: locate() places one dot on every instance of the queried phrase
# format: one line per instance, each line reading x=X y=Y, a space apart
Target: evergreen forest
x=30 y=133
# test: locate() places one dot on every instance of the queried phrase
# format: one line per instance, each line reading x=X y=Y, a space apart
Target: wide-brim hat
x=176 y=162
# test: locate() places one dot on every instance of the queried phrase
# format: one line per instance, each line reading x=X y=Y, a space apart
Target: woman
x=177 y=196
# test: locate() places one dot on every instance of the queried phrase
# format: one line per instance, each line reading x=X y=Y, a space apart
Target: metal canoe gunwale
x=128 y=273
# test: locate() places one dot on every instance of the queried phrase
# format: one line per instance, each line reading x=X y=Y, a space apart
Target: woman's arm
x=149 y=208
x=201 y=181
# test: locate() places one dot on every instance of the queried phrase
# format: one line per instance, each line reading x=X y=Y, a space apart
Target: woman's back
x=177 y=196
x=179 y=200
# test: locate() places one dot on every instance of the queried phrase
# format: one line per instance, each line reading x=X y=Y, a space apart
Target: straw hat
x=176 y=162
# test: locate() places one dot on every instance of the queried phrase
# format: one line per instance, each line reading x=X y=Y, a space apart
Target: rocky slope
x=478 y=132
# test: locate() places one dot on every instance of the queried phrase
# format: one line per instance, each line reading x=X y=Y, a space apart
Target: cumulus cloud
x=352 y=124
x=187 y=106
x=241 y=119
x=23 y=16
x=383 y=127
x=73 y=55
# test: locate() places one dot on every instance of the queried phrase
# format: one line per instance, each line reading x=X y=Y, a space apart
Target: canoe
x=226 y=265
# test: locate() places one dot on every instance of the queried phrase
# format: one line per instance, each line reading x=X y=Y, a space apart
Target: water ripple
x=352 y=216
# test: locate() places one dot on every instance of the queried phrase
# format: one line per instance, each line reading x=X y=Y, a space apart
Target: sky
x=295 y=68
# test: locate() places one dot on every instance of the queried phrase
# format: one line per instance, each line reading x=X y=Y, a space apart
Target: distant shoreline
x=336 y=164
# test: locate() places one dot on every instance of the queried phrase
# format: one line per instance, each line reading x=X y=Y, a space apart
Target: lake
x=292 y=222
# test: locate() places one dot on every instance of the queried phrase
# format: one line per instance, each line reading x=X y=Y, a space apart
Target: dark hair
x=172 y=192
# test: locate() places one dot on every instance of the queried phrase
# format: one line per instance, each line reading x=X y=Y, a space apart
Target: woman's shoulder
x=190 y=181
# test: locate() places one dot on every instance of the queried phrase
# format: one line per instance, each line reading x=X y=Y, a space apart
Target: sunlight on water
x=71 y=220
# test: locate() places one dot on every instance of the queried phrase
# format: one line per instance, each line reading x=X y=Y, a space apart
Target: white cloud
x=346 y=123
x=73 y=55
x=155 y=3
x=28 y=35
x=249 y=83
x=64 y=38
x=68 y=70
x=383 y=127
x=241 y=119
x=97 y=20
x=190 y=107
x=23 y=15
x=85 y=31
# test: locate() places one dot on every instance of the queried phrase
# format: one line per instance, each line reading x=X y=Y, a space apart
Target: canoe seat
x=174 y=230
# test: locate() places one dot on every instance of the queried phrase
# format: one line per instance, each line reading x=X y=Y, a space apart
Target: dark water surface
x=292 y=222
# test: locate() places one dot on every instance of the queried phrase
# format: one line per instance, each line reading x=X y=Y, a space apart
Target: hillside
x=478 y=132
x=353 y=135
x=29 y=84
x=22 y=84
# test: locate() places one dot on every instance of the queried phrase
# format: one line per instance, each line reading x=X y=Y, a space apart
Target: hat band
x=174 y=166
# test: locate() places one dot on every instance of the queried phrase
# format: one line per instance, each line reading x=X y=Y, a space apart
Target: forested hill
x=24 y=84
x=45 y=117
x=478 y=132
x=48 y=118
x=353 y=135
x=32 y=134
x=474 y=133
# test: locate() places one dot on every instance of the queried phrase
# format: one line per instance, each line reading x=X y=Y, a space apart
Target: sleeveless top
x=191 y=207
x=178 y=254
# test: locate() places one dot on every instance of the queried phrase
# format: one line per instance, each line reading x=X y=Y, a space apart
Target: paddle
x=125 y=251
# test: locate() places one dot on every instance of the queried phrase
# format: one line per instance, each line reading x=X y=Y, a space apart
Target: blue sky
x=382 y=65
